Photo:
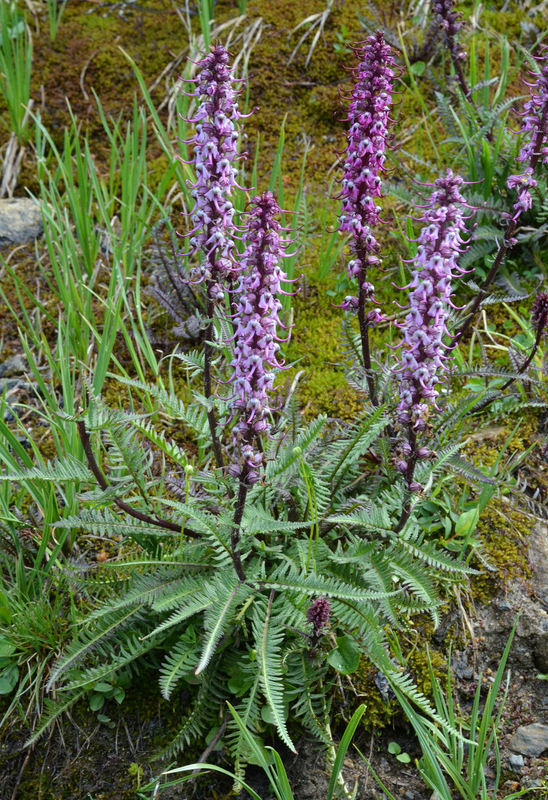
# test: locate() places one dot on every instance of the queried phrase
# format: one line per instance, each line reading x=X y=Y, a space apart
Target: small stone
x=308 y=789
x=515 y=761
x=468 y=673
x=20 y=221
x=8 y=384
x=531 y=783
x=410 y=795
x=530 y=740
x=190 y=329
x=15 y=365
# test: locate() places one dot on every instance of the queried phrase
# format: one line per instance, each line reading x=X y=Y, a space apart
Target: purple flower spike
x=451 y=24
x=424 y=353
x=318 y=614
x=535 y=147
x=256 y=341
x=368 y=117
x=215 y=152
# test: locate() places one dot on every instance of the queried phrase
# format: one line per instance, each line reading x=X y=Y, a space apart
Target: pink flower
x=368 y=117
x=256 y=343
x=535 y=147
x=215 y=153
x=423 y=352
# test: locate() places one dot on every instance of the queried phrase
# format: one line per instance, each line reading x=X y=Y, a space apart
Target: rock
x=530 y=740
x=516 y=762
x=531 y=783
x=8 y=384
x=20 y=221
x=190 y=329
x=538 y=558
x=308 y=789
x=15 y=365
x=540 y=653
x=533 y=621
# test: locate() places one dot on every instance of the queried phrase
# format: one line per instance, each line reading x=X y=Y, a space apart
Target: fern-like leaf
x=179 y=662
x=60 y=470
x=269 y=636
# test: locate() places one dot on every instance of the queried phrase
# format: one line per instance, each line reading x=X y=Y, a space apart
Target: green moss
x=483 y=448
x=381 y=712
x=419 y=668
x=503 y=532
x=314 y=348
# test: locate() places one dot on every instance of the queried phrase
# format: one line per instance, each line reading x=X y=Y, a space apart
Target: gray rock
x=15 y=365
x=8 y=384
x=540 y=653
x=516 y=762
x=538 y=558
x=20 y=221
x=530 y=740
x=190 y=329
x=308 y=789
x=531 y=783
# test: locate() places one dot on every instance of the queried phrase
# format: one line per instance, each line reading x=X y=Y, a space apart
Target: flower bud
x=318 y=614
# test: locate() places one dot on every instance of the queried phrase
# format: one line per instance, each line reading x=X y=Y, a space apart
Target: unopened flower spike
x=368 y=118
x=451 y=24
x=318 y=614
x=539 y=314
x=256 y=342
x=215 y=154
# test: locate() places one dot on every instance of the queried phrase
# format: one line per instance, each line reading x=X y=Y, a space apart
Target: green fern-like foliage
x=320 y=525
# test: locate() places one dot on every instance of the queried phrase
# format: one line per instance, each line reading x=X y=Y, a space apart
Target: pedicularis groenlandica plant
x=281 y=548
